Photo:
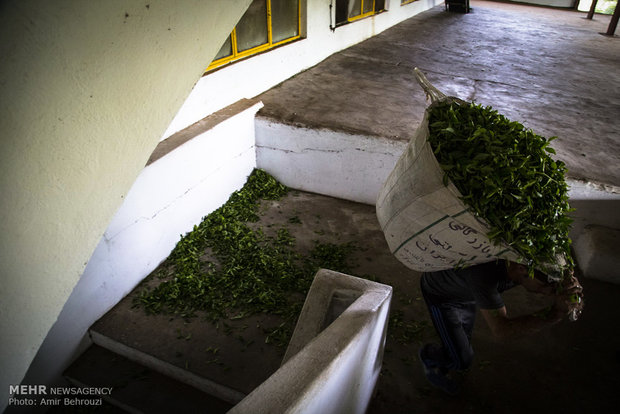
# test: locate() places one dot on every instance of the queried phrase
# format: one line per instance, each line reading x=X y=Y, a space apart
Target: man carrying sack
x=473 y=195
x=453 y=296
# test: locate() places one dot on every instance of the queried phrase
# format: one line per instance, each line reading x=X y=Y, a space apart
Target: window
x=266 y=24
x=351 y=10
x=402 y=2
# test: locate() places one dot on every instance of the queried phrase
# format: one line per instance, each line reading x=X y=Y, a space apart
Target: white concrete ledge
x=334 y=163
x=596 y=251
x=595 y=231
x=333 y=368
x=165 y=368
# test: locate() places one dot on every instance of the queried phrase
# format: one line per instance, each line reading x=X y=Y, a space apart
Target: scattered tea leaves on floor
x=254 y=273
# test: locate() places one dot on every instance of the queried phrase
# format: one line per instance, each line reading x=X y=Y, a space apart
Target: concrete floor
x=550 y=69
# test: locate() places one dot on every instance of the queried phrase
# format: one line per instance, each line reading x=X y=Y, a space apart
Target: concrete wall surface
x=566 y=4
x=168 y=198
x=250 y=77
x=596 y=230
x=339 y=164
x=330 y=369
x=86 y=91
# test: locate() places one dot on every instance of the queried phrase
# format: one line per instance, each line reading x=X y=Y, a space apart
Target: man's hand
x=569 y=298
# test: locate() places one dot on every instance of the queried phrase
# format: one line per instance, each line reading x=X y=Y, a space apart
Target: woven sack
x=425 y=223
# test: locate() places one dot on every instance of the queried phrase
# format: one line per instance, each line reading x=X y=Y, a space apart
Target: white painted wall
x=250 y=77
x=342 y=165
x=567 y=4
x=596 y=230
x=86 y=91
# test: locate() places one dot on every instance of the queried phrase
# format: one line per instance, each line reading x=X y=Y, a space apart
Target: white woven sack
x=426 y=225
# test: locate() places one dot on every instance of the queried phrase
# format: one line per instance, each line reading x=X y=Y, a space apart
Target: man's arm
x=504 y=327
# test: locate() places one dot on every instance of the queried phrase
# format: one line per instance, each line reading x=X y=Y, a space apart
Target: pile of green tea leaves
x=506 y=177
x=254 y=273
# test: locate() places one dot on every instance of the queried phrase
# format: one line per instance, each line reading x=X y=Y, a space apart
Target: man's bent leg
x=453 y=323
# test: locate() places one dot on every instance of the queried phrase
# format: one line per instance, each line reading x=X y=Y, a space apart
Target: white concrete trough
x=595 y=231
x=334 y=358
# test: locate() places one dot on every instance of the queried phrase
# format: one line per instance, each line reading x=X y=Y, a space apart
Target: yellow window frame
x=402 y=3
x=363 y=15
x=260 y=48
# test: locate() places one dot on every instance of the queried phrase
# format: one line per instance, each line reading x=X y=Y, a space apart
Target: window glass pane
x=379 y=5
x=342 y=11
x=226 y=49
x=284 y=17
x=252 y=28
x=368 y=5
x=355 y=8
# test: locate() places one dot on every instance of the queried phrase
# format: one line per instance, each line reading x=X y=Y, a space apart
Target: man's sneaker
x=436 y=377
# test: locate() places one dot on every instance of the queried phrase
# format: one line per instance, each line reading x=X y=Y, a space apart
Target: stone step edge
x=109 y=399
x=165 y=368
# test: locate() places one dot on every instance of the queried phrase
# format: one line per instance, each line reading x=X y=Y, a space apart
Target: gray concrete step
x=136 y=388
x=227 y=360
